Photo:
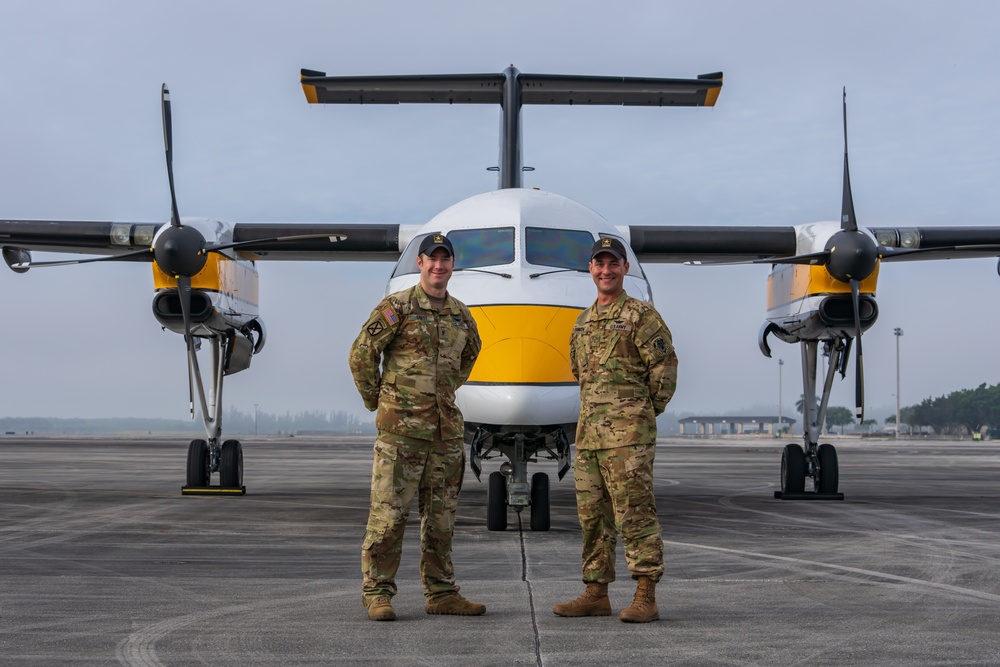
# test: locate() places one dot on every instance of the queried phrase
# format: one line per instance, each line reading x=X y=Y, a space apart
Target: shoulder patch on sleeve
x=390 y=315
x=375 y=327
x=660 y=345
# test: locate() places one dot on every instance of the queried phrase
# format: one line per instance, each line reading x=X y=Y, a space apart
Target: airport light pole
x=898 y=333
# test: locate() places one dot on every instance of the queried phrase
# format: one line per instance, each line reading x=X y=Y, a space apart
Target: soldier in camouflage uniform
x=623 y=357
x=417 y=347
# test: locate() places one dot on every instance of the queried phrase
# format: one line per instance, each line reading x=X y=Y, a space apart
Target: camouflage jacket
x=625 y=363
x=408 y=361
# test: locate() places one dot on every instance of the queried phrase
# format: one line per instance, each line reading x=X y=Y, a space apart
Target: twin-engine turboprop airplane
x=521 y=268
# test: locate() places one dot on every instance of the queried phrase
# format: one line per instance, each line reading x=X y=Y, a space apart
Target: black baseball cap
x=432 y=242
x=611 y=245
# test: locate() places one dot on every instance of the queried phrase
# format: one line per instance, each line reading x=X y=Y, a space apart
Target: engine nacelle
x=167 y=309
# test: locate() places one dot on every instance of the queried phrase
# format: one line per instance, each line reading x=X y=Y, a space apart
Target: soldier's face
x=608 y=273
x=435 y=270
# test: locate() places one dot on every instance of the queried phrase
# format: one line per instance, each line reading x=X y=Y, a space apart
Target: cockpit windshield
x=558 y=248
x=567 y=249
x=483 y=247
x=492 y=246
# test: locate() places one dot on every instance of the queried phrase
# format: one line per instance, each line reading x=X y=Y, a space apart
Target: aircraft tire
x=793 y=469
x=231 y=465
x=198 y=464
x=496 y=502
x=540 y=502
x=829 y=469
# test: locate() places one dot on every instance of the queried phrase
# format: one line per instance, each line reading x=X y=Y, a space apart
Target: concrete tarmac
x=103 y=561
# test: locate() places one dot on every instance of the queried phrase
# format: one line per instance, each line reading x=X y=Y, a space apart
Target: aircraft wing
x=78 y=236
x=917 y=243
x=364 y=242
x=700 y=243
x=710 y=243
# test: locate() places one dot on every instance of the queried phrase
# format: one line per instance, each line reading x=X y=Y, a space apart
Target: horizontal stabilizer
x=531 y=89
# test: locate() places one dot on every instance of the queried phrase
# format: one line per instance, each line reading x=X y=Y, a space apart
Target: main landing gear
x=820 y=464
x=818 y=461
x=509 y=487
x=203 y=459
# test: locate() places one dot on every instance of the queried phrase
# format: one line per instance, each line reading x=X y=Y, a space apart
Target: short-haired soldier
x=622 y=354
x=417 y=347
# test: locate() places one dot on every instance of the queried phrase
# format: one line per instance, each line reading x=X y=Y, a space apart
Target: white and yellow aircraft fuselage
x=521 y=268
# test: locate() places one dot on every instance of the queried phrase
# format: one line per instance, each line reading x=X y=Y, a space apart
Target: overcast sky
x=80 y=138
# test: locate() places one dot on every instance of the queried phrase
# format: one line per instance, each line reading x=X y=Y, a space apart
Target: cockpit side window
x=558 y=248
x=408 y=260
x=482 y=247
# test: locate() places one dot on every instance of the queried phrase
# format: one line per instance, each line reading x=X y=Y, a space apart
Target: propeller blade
x=848 y=221
x=859 y=385
x=184 y=295
x=334 y=238
x=811 y=258
x=816 y=258
x=168 y=145
x=88 y=260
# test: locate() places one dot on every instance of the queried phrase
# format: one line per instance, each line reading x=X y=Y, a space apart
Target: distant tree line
x=315 y=421
x=967 y=409
x=234 y=422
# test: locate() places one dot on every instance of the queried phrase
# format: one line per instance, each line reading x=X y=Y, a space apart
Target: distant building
x=734 y=425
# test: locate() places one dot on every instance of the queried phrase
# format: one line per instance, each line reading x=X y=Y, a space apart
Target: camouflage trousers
x=614 y=496
x=403 y=468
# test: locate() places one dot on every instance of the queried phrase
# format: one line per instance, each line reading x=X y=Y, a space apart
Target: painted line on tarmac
x=981 y=595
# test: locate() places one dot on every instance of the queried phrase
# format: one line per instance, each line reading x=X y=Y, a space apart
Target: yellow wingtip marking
x=311 y=95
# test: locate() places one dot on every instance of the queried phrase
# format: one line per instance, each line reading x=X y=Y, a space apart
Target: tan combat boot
x=643 y=608
x=593 y=602
x=455 y=605
x=380 y=609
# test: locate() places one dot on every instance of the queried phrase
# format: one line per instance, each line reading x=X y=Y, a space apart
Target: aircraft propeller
x=179 y=250
x=850 y=256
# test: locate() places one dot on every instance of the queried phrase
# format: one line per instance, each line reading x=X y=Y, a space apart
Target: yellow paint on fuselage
x=791 y=282
x=524 y=344
x=222 y=274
